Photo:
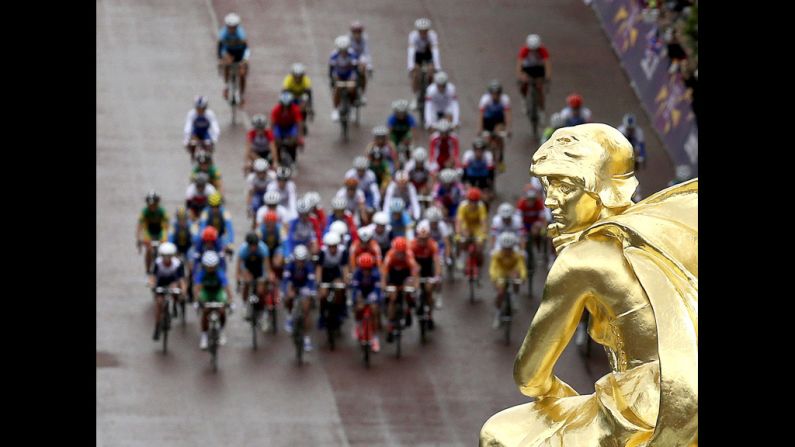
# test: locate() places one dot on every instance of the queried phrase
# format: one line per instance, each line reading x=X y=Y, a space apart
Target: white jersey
x=352 y=203
x=281 y=213
x=214 y=130
x=419 y=45
x=368 y=183
x=287 y=197
x=256 y=184
x=361 y=48
x=498 y=227
x=409 y=196
x=469 y=155
x=487 y=99
x=442 y=232
x=567 y=114
x=193 y=192
x=445 y=102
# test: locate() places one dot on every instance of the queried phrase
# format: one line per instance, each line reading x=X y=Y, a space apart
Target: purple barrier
x=641 y=54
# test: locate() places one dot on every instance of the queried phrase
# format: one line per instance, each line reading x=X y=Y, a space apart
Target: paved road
x=153 y=57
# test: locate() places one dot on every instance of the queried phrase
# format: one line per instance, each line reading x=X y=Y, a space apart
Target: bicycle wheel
x=182 y=312
x=330 y=329
x=214 y=348
x=533 y=109
x=366 y=354
x=253 y=326
x=273 y=320
x=506 y=312
x=423 y=317
x=165 y=325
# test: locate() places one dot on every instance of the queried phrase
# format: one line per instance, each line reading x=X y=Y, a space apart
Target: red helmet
x=271 y=217
x=400 y=244
x=351 y=182
x=366 y=261
x=473 y=195
x=210 y=234
x=574 y=100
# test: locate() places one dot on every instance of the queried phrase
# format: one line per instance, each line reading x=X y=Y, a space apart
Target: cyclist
x=555 y=122
x=233 y=48
x=208 y=241
x=400 y=221
x=400 y=124
x=367 y=183
x=634 y=134
x=271 y=232
x=272 y=201
x=204 y=163
x=423 y=49
x=479 y=165
x=441 y=101
x=339 y=205
x=197 y=193
x=315 y=208
x=259 y=142
x=448 y=193
x=287 y=125
x=382 y=232
x=507 y=262
x=302 y=230
x=440 y=232
x=298 y=287
x=152 y=226
x=341 y=228
x=533 y=66
x=331 y=267
x=398 y=269
x=420 y=171
x=472 y=222
x=426 y=253
x=201 y=126
x=382 y=168
x=285 y=186
x=495 y=117
x=342 y=67
x=211 y=285
x=355 y=202
x=574 y=113
x=299 y=85
x=531 y=208
x=507 y=219
x=359 y=46
x=402 y=188
x=253 y=264
x=366 y=289
x=444 y=146
x=215 y=215
x=182 y=233
x=365 y=244
x=169 y=272
x=258 y=182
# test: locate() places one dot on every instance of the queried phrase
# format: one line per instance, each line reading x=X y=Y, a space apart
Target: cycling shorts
x=539 y=71
x=282 y=132
x=421 y=58
x=219 y=296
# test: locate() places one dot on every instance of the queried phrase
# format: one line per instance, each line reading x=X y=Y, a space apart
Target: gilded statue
x=634 y=268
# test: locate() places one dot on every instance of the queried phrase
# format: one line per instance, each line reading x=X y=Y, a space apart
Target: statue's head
x=585 y=170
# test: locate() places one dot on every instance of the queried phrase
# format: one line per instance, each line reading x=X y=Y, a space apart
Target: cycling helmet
x=232 y=19
x=365 y=234
x=259 y=121
x=210 y=259
x=357 y=26
x=214 y=199
x=339 y=203
x=397 y=205
x=448 y=175
x=440 y=78
x=298 y=69
x=400 y=105
x=260 y=165
x=284 y=173
x=401 y=177
x=419 y=154
x=286 y=98
x=400 y=244
x=479 y=143
x=152 y=197
x=167 y=249
x=505 y=210
x=531 y=193
x=556 y=120
x=574 y=100
x=433 y=214
x=495 y=86
x=422 y=24
x=533 y=41
x=200 y=102
x=339 y=227
x=271 y=217
x=203 y=157
x=360 y=162
x=423 y=231
x=312 y=198
x=272 y=197
x=202 y=178
x=443 y=126
x=629 y=120
x=342 y=42
x=366 y=261
x=380 y=131
x=209 y=234
x=252 y=238
x=380 y=218
x=331 y=238
x=351 y=182
x=300 y=253
x=302 y=207
x=473 y=195
x=507 y=240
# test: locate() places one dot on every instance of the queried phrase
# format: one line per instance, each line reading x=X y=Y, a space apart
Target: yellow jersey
x=295 y=87
x=472 y=217
x=504 y=266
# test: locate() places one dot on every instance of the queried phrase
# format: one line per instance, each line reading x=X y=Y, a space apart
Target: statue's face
x=572 y=208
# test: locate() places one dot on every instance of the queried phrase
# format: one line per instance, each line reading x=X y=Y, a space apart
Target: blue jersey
x=299 y=233
x=343 y=66
x=298 y=277
x=222 y=222
x=272 y=239
x=401 y=225
x=366 y=285
x=182 y=237
x=201 y=127
x=231 y=42
x=212 y=282
x=401 y=126
x=494 y=111
x=252 y=259
x=477 y=168
x=198 y=252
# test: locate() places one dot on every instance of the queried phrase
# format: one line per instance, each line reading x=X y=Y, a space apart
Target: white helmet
x=331 y=238
x=339 y=227
x=448 y=175
x=533 y=41
x=422 y=24
x=232 y=19
x=272 y=197
x=419 y=155
x=360 y=162
x=312 y=198
x=629 y=120
x=365 y=234
x=342 y=42
x=507 y=240
x=167 y=249
x=339 y=203
x=401 y=177
x=301 y=206
x=433 y=214
x=210 y=259
x=556 y=120
x=443 y=125
x=298 y=69
x=380 y=218
x=260 y=165
x=440 y=78
x=300 y=253
x=531 y=193
x=400 y=105
x=397 y=205
x=259 y=121
x=380 y=131
x=505 y=210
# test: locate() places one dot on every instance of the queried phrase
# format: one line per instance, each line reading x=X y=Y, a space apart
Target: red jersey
x=320 y=215
x=428 y=250
x=531 y=211
x=444 y=149
x=283 y=117
x=393 y=263
x=316 y=225
x=533 y=58
x=255 y=138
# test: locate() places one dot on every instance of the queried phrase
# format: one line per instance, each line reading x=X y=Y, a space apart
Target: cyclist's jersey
x=367 y=284
x=419 y=176
x=635 y=138
x=359 y=248
x=429 y=250
x=213 y=283
x=319 y=214
x=155 y=222
x=331 y=265
x=351 y=203
x=285 y=116
x=384 y=240
x=398 y=128
x=295 y=87
x=533 y=58
x=348 y=219
x=409 y=196
x=203 y=127
x=476 y=168
x=219 y=218
x=361 y=48
x=271 y=238
x=233 y=43
x=569 y=119
x=168 y=274
x=252 y=259
x=449 y=196
x=282 y=215
x=198 y=251
x=299 y=277
x=547 y=133
x=182 y=236
x=343 y=66
x=498 y=227
x=532 y=211
x=437 y=102
x=426 y=49
x=382 y=170
x=260 y=141
x=301 y=232
x=494 y=111
x=441 y=149
x=257 y=185
x=438 y=234
x=287 y=196
x=196 y=199
x=401 y=226
x=399 y=269
x=473 y=217
x=212 y=172
x=368 y=184
x=504 y=266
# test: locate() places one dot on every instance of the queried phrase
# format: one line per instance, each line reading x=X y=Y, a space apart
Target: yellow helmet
x=214 y=199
